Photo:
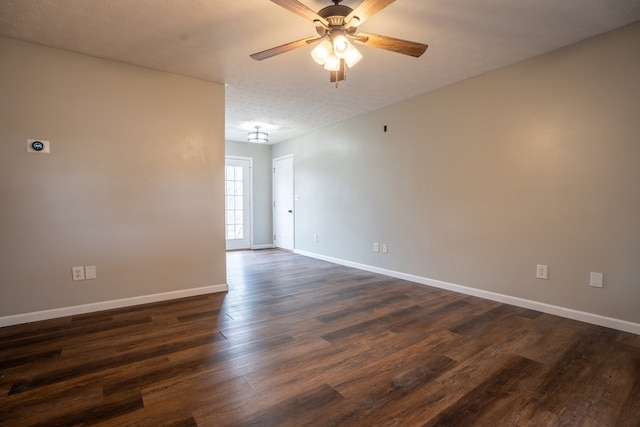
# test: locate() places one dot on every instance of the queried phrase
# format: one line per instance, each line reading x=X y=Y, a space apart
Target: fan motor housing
x=335 y=12
x=334 y=15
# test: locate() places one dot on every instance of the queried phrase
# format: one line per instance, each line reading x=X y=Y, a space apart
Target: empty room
x=315 y=212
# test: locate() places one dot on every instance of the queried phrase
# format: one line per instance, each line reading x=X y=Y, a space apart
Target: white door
x=283 y=213
x=237 y=182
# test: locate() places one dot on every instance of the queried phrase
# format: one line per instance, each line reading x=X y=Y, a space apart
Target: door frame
x=250 y=188
x=273 y=196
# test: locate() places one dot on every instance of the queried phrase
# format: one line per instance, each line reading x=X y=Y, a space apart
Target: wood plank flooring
x=297 y=341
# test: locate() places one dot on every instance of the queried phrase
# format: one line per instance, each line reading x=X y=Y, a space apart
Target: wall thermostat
x=37 y=146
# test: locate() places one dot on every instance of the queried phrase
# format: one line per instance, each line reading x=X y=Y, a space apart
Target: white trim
x=596 y=319
x=107 y=305
x=267 y=246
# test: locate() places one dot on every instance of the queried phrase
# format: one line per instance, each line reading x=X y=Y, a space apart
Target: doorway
x=238 y=195
x=283 y=206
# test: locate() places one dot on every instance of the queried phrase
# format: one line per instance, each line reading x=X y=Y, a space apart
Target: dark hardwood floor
x=298 y=341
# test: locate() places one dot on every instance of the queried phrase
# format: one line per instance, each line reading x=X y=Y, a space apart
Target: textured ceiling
x=290 y=94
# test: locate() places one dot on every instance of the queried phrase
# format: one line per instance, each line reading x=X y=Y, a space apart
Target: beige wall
x=476 y=183
x=262 y=232
x=133 y=184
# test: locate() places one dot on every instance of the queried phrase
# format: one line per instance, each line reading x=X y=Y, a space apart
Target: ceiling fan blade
x=301 y=10
x=367 y=9
x=259 y=56
x=389 y=43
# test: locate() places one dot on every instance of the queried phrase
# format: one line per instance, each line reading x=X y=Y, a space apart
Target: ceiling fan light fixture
x=332 y=63
x=321 y=52
x=353 y=56
x=337 y=27
x=257 y=136
x=341 y=45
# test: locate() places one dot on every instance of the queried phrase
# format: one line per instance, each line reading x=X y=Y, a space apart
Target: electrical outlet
x=77 y=273
x=90 y=272
x=376 y=247
x=596 y=280
x=315 y=237
x=542 y=272
x=385 y=248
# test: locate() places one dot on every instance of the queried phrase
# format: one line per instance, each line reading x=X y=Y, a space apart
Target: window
x=234 y=214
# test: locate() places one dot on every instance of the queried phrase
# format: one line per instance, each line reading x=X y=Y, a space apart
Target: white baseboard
x=268 y=246
x=596 y=319
x=107 y=305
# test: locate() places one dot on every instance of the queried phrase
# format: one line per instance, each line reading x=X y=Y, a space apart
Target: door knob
x=290 y=211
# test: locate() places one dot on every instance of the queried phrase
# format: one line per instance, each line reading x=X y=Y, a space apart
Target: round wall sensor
x=38 y=146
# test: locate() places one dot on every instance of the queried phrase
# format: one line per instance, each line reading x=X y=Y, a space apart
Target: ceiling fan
x=337 y=26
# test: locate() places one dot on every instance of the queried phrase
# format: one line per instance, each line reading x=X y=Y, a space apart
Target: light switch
x=90 y=272
x=596 y=280
x=542 y=272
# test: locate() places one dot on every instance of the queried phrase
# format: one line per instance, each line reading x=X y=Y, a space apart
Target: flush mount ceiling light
x=337 y=26
x=257 y=136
